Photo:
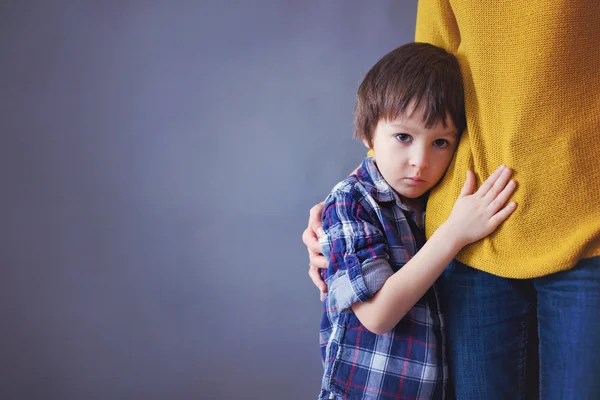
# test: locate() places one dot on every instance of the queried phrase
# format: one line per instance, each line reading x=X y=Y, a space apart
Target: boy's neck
x=414 y=205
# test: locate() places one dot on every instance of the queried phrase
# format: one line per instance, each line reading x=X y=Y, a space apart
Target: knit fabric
x=531 y=70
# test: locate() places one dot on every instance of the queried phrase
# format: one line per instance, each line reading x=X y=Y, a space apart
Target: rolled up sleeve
x=356 y=250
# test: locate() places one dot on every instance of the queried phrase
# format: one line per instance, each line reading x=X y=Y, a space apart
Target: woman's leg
x=489 y=321
x=569 y=332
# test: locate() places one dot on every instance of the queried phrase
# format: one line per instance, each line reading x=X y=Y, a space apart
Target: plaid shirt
x=367 y=238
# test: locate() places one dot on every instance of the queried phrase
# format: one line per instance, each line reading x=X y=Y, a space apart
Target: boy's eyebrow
x=454 y=135
x=399 y=124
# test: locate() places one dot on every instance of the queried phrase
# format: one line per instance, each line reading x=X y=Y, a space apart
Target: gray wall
x=158 y=160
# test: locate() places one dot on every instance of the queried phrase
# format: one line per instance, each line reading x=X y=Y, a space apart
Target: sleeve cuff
x=358 y=284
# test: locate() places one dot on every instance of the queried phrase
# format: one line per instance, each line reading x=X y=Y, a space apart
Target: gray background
x=158 y=160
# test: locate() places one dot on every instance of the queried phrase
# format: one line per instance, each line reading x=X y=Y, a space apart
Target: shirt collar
x=378 y=188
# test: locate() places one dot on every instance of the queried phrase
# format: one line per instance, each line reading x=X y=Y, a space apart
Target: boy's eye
x=403 y=137
x=440 y=143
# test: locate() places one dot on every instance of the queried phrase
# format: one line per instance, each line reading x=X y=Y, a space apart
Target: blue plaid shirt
x=370 y=234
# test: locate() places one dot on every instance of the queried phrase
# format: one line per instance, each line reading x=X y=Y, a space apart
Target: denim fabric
x=523 y=339
x=569 y=332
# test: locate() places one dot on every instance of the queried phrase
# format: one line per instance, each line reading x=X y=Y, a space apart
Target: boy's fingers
x=318 y=260
x=314 y=219
x=469 y=185
x=316 y=226
x=309 y=238
x=499 y=185
x=501 y=215
x=316 y=211
x=502 y=198
x=316 y=278
x=489 y=182
x=315 y=256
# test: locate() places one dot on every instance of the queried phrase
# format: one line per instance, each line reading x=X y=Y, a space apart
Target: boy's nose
x=419 y=158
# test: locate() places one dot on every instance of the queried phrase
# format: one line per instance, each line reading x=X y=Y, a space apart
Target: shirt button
x=351 y=260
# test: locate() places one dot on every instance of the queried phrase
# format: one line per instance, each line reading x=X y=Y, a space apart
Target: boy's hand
x=476 y=215
x=310 y=237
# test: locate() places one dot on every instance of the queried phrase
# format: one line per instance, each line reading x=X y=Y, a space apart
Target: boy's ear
x=366 y=144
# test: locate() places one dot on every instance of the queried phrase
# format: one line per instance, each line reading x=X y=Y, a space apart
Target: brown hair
x=410 y=75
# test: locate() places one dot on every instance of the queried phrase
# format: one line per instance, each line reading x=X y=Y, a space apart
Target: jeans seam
x=523 y=359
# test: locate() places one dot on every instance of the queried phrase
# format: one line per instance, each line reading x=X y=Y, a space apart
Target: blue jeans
x=523 y=339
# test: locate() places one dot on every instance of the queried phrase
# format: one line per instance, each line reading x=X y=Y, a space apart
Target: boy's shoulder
x=364 y=186
x=351 y=184
x=352 y=188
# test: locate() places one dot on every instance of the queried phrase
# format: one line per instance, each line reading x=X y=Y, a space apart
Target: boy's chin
x=412 y=193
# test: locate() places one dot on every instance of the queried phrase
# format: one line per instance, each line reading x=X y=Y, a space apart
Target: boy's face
x=410 y=157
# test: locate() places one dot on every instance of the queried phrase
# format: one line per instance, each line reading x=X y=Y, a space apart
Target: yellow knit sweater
x=532 y=90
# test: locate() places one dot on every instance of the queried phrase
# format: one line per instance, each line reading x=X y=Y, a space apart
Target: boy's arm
x=473 y=217
x=403 y=289
x=310 y=237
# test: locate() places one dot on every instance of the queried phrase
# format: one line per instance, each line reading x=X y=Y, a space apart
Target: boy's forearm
x=404 y=289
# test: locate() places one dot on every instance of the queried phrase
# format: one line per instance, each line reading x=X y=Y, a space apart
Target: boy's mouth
x=414 y=180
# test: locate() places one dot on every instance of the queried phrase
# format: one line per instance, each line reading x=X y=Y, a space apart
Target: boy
x=382 y=331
